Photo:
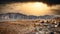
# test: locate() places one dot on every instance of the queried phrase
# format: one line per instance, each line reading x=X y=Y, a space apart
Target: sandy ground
x=15 y=27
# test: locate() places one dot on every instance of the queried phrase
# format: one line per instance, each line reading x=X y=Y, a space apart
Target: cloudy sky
x=31 y=7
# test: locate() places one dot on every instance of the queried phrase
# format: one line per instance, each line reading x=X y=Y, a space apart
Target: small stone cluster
x=46 y=28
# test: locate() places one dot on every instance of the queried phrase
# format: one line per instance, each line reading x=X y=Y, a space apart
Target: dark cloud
x=49 y=2
x=56 y=11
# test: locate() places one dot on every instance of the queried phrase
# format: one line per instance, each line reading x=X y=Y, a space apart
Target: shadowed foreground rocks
x=29 y=27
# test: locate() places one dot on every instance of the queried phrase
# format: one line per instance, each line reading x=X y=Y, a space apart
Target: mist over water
x=30 y=8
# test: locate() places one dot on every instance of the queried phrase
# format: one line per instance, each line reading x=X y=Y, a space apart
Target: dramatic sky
x=31 y=7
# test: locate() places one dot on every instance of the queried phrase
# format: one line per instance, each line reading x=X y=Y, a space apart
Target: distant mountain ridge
x=17 y=16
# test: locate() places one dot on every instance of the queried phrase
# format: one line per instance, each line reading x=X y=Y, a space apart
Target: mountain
x=14 y=16
x=47 y=17
x=11 y=16
x=18 y=16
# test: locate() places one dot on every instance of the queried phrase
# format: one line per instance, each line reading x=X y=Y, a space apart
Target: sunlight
x=40 y=6
x=28 y=8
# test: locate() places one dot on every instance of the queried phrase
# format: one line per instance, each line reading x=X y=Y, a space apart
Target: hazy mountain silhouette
x=14 y=16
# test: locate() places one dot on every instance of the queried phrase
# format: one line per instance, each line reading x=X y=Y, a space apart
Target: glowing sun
x=28 y=8
x=40 y=6
x=35 y=8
